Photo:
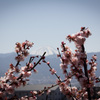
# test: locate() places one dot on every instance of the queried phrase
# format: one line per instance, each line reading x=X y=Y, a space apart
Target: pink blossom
x=86 y=33
x=24 y=98
x=25 y=53
x=48 y=63
x=65 y=60
x=83 y=81
x=98 y=93
x=33 y=92
x=10 y=89
x=48 y=91
x=23 y=44
x=52 y=71
x=94 y=57
x=75 y=61
x=63 y=66
x=35 y=71
x=19 y=58
x=34 y=97
x=26 y=74
x=80 y=40
x=29 y=44
x=74 y=90
x=18 y=47
x=94 y=68
x=85 y=95
x=30 y=65
x=11 y=66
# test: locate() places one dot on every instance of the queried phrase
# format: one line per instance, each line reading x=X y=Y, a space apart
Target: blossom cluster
x=16 y=76
x=77 y=63
x=22 y=50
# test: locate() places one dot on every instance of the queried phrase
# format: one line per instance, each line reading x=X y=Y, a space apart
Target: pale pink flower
x=18 y=47
x=65 y=60
x=25 y=53
x=10 y=89
x=11 y=76
x=80 y=40
x=33 y=92
x=24 y=68
x=30 y=65
x=73 y=36
x=87 y=33
x=85 y=95
x=75 y=61
x=63 y=66
x=48 y=91
x=48 y=63
x=78 y=46
x=23 y=98
x=94 y=68
x=67 y=54
x=29 y=44
x=26 y=74
x=94 y=57
x=11 y=66
x=35 y=71
x=98 y=93
x=34 y=97
x=20 y=58
x=74 y=90
x=52 y=71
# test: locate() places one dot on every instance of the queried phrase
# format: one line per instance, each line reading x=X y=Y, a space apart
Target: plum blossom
x=48 y=63
x=35 y=71
x=94 y=57
x=63 y=66
x=20 y=58
x=30 y=65
x=86 y=33
x=79 y=40
x=75 y=61
x=24 y=72
x=98 y=93
x=74 y=90
x=33 y=92
x=52 y=71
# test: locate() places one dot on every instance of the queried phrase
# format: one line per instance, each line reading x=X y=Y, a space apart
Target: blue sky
x=47 y=22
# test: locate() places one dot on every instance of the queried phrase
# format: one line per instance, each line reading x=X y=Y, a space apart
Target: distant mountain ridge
x=43 y=76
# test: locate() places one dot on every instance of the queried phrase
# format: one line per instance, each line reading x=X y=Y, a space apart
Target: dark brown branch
x=54 y=73
x=38 y=61
x=32 y=68
x=86 y=74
